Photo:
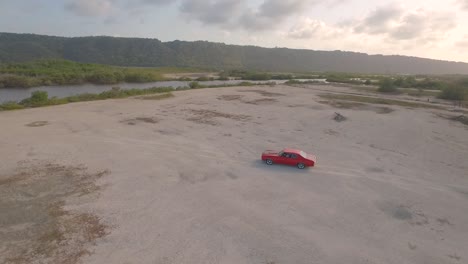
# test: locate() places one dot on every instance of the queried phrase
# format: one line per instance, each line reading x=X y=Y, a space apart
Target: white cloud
x=463 y=4
x=307 y=28
x=90 y=7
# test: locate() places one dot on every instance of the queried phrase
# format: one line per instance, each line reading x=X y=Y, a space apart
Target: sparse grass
x=134 y=121
x=375 y=100
x=262 y=101
x=263 y=93
x=342 y=104
x=10 y=106
x=208 y=117
x=36 y=196
x=230 y=97
x=156 y=97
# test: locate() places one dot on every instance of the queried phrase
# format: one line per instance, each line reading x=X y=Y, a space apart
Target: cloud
x=89 y=7
x=397 y=23
x=307 y=28
x=379 y=20
x=238 y=14
x=271 y=13
x=217 y=12
x=282 y=8
x=463 y=4
x=155 y=2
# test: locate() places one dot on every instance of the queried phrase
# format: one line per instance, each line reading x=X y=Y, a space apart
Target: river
x=61 y=91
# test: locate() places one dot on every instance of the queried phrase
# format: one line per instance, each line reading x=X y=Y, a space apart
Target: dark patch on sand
x=38 y=124
x=35 y=225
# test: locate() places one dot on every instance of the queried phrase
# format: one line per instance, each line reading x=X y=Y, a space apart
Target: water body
x=61 y=91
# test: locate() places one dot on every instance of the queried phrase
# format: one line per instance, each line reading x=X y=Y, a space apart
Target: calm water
x=18 y=94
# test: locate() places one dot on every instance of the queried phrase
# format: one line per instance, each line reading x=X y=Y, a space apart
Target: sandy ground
x=184 y=182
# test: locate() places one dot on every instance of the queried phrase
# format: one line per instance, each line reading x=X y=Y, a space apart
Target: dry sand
x=183 y=182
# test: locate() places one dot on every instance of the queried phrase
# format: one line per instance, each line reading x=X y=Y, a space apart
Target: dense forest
x=201 y=54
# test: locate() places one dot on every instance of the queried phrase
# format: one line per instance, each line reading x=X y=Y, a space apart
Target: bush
x=203 y=79
x=387 y=86
x=194 y=85
x=38 y=98
x=454 y=92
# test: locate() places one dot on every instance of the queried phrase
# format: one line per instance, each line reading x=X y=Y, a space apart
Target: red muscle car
x=291 y=157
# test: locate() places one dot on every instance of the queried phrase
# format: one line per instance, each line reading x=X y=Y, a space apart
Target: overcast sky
x=424 y=28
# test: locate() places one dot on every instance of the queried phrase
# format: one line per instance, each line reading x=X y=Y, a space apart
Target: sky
x=423 y=28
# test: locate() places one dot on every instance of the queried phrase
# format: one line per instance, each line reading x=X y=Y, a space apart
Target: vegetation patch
x=209 y=117
x=230 y=97
x=375 y=100
x=63 y=72
x=262 y=101
x=156 y=97
x=357 y=106
x=41 y=98
x=263 y=93
x=36 y=226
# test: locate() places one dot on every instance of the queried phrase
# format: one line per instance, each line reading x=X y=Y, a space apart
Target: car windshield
x=280 y=153
x=303 y=154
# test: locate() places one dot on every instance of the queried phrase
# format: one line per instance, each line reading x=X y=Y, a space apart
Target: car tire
x=269 y=162
x=301 y=166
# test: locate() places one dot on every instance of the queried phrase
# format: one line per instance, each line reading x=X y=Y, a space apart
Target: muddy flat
x=180 y=180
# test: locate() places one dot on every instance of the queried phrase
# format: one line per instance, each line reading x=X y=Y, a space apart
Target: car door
x=293 y=160
x=284 y=158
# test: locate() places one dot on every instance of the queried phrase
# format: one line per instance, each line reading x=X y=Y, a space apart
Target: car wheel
x=301 y=166
x=269 y=162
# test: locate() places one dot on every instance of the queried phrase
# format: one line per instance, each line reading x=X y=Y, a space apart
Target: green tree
x=454 y=92
x=387 y=86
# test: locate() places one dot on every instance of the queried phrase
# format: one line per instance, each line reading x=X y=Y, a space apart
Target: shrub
x=38 y=98
x=203 y=79
x=454 y=92
x=387 y=86
x=194 y=85
x=10 y=106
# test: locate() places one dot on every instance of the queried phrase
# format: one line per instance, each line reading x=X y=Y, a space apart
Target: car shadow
x=260 y=164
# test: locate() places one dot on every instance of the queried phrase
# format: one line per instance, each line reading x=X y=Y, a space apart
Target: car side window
x=286 y=155
x=293 y=156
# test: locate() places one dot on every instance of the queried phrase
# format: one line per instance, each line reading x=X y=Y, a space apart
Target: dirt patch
x=357 y=106
x=343 y=104
x=331 y=132
x=454 y=257
x=262 y=101
x=375 y=100
x=405 y=213
x=263 y=93
x=339 y=117
x=400 y=212
x=134 y=121
x=462 y=119
x=458 y=118
x=383 y=110
x=38 y=124
x=209 y=117
x=230 y=97
x=35 y=226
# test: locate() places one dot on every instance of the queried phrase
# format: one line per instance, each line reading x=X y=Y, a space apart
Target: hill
x=202 y=54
